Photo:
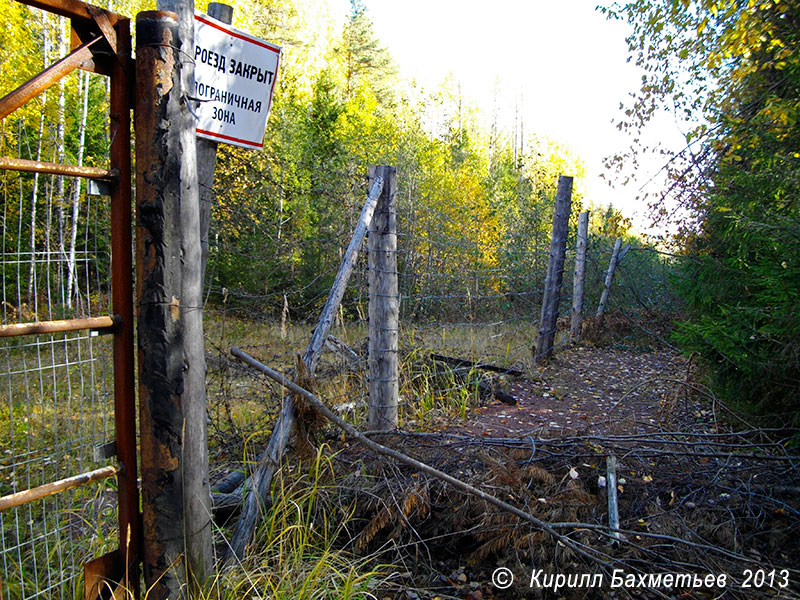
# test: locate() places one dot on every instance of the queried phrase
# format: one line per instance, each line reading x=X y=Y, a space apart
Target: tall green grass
x=299 y=552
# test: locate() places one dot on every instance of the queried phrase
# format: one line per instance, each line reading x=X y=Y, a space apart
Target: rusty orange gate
x=68 y=464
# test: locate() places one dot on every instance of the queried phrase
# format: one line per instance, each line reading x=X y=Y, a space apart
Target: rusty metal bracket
x=101 y=18
x=46 y=79
x=102 y=577
x=36 y=166
x=104 y=451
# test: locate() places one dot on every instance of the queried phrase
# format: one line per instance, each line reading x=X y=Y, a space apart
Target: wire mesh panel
x=56 y=390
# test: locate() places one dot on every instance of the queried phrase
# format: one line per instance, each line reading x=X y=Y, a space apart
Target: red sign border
x=211 y=22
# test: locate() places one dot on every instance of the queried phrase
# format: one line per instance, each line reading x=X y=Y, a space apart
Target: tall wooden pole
x=196 y=486
x=580 y=274
x=555 y=271
x=175 y=489
x=207 y=155
x=384 y=307
x=160 y=335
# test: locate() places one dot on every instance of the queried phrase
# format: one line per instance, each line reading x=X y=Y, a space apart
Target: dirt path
x=586 y=389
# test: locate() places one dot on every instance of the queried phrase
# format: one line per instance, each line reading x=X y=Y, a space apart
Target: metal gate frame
x=100 y=43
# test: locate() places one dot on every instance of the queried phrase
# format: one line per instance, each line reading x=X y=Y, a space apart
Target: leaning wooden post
x=207 y=155
x=578 y=279
x=261 y=480
x=384 y=307
x=555 y=271
x=612 y=265
x=175 y=490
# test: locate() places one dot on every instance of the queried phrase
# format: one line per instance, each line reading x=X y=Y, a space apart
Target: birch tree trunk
x=72 y=273
x=32 y=296
x=34 y=195
x=60 y=156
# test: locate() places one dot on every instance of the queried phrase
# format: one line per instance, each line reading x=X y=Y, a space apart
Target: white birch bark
x=32 y=296
x=72 y=272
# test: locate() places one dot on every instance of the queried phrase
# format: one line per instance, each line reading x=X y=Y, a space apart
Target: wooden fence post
x=612 y=266
x=196 y=486
x=270 y=460
x=207 y=155
x=384 y=307
x=613 y=505
x=176 y=500
x=555 y=271
x=578 y=279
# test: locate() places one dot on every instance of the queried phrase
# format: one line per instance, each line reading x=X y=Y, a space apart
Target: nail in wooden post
x=384 y=307
x=555 y=271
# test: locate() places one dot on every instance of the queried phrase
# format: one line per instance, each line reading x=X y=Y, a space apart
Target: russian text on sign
x=235 y=77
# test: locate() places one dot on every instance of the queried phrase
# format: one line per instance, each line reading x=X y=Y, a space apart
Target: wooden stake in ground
x=261 y=480
x=613 y=507
x=616 y=258
x=578 y=279
x=176 y=501
x=555 y=271
x=384 y=307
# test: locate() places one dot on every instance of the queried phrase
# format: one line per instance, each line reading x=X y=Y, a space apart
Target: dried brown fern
x=309 y=421
x=537 y=474
x=381 y=519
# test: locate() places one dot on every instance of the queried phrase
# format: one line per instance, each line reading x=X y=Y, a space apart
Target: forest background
x=475 y=202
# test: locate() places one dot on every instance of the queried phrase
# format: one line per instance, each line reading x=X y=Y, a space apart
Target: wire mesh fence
x=56 y=390
x=65 y=345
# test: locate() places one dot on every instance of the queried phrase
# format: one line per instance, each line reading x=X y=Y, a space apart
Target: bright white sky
x=561 y=60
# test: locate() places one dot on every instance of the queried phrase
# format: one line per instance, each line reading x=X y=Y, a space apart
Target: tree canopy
x=733 y=69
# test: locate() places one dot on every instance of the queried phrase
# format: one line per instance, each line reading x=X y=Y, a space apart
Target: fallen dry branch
x=469 y=364
x=699 y=500
x=488 y=388
x=383 y=450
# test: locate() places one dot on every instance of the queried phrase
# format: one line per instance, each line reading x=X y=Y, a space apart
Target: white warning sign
x=234 y=77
